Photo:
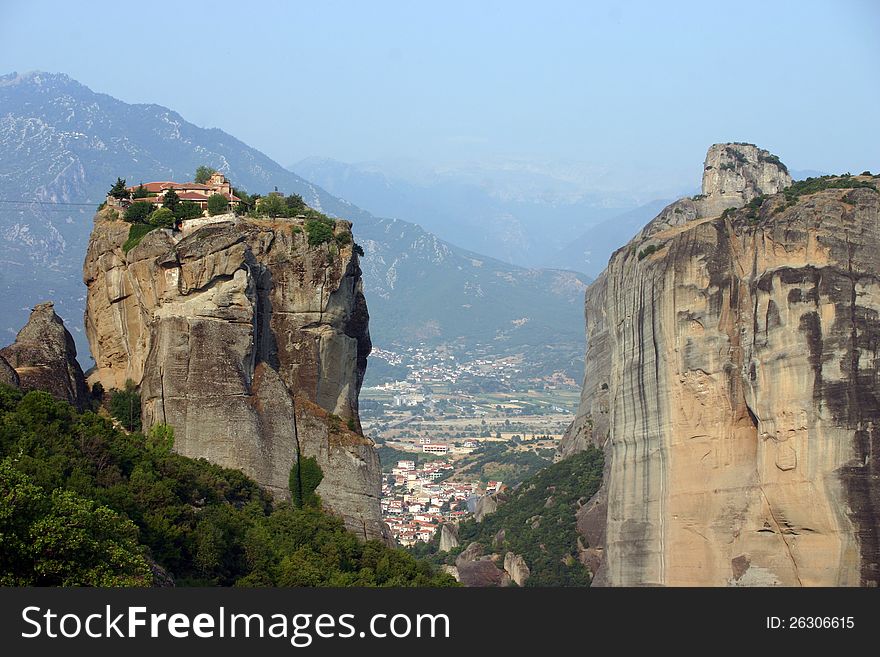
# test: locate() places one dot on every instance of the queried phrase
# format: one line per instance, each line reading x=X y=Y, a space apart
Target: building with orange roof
x=189 y=191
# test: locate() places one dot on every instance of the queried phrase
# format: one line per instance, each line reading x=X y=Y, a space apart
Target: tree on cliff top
x=217 y=204
x=203 y=174
x=171 y=200
x=119 y=190
x=272 y=205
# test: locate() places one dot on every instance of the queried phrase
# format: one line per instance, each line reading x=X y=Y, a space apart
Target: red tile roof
x=189 y=191
x=192 y=196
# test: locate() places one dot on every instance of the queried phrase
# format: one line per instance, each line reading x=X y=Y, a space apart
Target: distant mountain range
x=62 y=145
x=518 y=211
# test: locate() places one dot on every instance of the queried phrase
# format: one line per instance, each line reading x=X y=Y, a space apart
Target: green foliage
x=203 y=174
x=295 y=205
x=188 y=210
x=772 y=159
x=160 y=439
x=246 y=203
x=753 y=209
x=389 y=456
x=499 y=461
x=650 y=249
x=217 y=204
x=539 y=521
x=120 y=501
x=118 y=190
x=125 y=406
x=813 y=185
x=162 y=218
x=138 y=212
x=739 y=157
x=319 y=230
x=272 y=206
x=135 y=235
x=305 y=477
x=171 y=200
x=809 y=186
x=63 y=539
x=140 y=192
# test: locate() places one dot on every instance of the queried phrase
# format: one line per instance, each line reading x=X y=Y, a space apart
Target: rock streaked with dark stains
x=740 y=413
x=43 y=357
x=245 y=340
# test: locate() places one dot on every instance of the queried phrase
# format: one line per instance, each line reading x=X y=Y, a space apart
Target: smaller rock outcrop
x=43 y=357
x=8 y=375
x=516 y=567
x=734 y=174
x=448 y=537
x=485 y=505
x=476 y=570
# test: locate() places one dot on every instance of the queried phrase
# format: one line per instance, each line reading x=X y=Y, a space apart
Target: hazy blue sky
x=451 y=81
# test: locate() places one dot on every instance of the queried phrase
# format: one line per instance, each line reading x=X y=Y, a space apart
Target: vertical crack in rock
x=781 y=532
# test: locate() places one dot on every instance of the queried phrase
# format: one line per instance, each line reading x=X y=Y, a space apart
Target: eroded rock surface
x=43 y=357
x=732 y=379
x=249 y=342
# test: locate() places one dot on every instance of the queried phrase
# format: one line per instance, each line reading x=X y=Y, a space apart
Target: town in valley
x=454 y=425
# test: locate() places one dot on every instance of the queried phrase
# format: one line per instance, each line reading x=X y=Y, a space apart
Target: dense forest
x=85 y=503
x=537 y=521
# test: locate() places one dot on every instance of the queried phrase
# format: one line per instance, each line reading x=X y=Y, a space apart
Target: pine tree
x=172 y=200
x=118 y=191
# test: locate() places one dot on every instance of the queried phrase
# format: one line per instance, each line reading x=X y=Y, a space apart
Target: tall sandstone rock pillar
x=249 y=342
x=732 y=379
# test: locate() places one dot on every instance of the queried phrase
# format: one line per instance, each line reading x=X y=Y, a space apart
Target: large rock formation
x=43 y=357
x=732 y=378
x=249 y=342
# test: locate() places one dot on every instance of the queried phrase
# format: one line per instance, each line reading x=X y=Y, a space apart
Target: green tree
x=217 y=204
x=202 y=524
x=139 y=212
x=171 y=200
x=119 y=190
x=63 y=539
x=246 y=202
x=162 y=218
x=305 y=477
x=203 y=174
x=140 y=192
x=125 y=406
x=188 y=210
x=320 y=230
x=295 y=204
x=272 y=205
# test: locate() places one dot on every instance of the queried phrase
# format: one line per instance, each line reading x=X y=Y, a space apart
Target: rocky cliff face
x=249 y=342
x=43 y=357
x=732 y=379
x=8 y=375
